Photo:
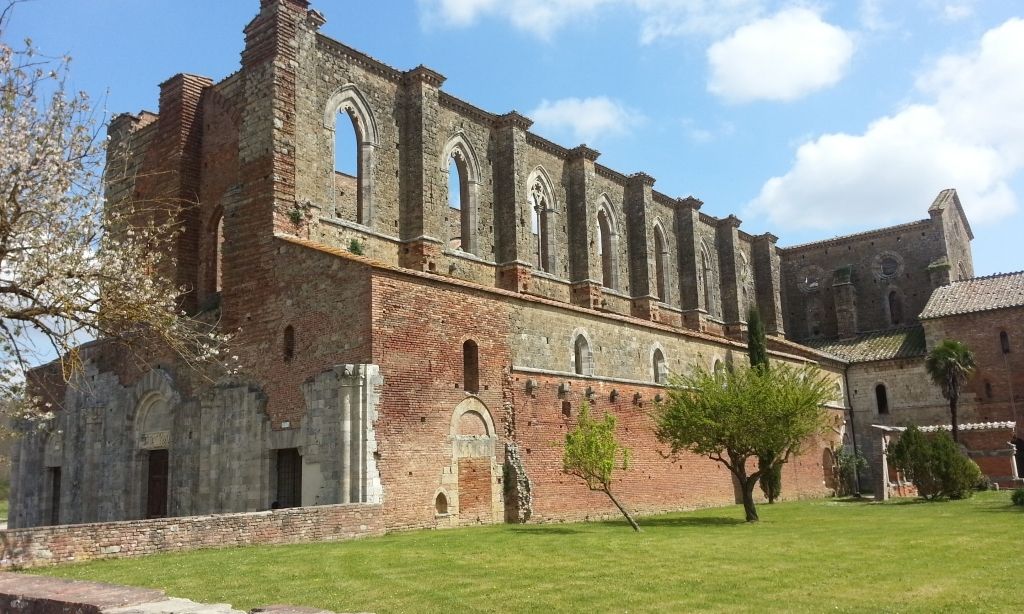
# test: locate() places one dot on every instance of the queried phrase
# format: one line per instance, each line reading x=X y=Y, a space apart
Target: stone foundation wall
x=84 y=542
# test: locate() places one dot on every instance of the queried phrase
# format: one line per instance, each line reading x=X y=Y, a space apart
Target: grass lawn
x=804 y=556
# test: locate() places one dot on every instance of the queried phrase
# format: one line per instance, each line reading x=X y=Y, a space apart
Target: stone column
x=768 y=283
x=638 y=202
x=845 y=297
x=586 y=291
x=421 y=211
x=728 y=238
x=691 y=298
x=512 y=215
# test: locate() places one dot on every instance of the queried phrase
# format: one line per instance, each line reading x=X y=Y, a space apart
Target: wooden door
x=156 y=484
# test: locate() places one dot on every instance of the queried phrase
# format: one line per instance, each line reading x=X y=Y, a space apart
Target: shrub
x=1018 y=497
x=849 y=465
x=355 y=247
x=934 y=465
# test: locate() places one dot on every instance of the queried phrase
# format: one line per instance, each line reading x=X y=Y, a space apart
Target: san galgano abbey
x=419 y=351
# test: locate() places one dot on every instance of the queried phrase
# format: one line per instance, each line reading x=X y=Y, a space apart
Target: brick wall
x=62 y=544
x=652 y=483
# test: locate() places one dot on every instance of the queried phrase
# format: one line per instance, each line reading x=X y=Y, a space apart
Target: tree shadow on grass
x=545 y=529
x=683 y=521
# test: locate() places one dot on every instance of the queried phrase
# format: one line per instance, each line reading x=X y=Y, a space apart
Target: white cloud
x=661 y=18
x=871 y=15
x=969 y=136
x=539 y=17
x=586 y=119
x=783 y=58
x=669 y=18
x=957 y=11
x=701 y=133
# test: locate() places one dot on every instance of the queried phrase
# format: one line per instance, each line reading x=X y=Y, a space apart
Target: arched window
x=354 y=138
x=1004 y=342
x=470 y=366
x=881 y=399
x=988 y=389
x=288 y=349
x=719 y=368
x=583 y=360
x=218 y=253
x=708 y=278
x=441 y=504
x=658 y=366
x=606 y=248
x=895 y=308
x=347 y=193
x=539 y=210
x=456 y=194
x=660 y=263
x=460 y=164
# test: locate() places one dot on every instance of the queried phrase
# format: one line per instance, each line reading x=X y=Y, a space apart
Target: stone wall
x=84 y=542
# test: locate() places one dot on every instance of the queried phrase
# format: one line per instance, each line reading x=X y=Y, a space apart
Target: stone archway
x=476 y=496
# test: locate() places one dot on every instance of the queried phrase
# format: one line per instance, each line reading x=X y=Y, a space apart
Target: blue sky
x=806 y=119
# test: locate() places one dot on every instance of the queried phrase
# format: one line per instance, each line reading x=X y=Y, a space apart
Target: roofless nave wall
x=436 y=374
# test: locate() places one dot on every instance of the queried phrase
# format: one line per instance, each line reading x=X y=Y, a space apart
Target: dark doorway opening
x=156 y=484
x=289 y=478
x=54 y=495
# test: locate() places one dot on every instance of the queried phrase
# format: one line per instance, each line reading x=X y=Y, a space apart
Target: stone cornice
x=542 y=143
x=881 y=232
x=642 y=178
x=584 y=152
x=514 y=119
x=614 y=175
x=422 y=74
x=457 y=104
x=729 y=220
x=690 y=202
x=358 y=57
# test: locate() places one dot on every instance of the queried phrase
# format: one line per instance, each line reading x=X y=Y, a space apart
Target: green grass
x=5 y=488
x=804 y=556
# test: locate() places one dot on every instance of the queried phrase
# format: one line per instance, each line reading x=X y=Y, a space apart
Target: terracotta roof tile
x=876 y=345
x=997 y=291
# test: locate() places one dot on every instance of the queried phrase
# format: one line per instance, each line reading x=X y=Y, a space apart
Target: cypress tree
x=757 y=351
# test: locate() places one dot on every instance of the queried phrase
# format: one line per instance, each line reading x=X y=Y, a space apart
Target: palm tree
x=949 y=364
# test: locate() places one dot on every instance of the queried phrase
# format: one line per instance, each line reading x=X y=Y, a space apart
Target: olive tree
x=734 y=415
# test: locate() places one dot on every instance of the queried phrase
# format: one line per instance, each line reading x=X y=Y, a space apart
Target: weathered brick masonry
x=423 y=353
x=43 y=546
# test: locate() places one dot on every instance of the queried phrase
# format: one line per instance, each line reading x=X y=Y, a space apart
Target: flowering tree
x=70 y=269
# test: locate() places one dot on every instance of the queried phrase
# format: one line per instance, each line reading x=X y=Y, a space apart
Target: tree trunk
x=952 y=416
x=748 y=499
x=629 y=518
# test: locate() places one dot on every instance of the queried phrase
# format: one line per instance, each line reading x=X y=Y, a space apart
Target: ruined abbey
x=418 y=333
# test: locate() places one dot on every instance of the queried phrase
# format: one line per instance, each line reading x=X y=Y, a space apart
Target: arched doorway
x=475 y=497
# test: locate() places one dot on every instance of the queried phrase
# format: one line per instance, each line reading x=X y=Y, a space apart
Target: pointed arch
x=582 y=354
x=660 y=262
x=459 y=153
x=608 y=242
x=659 y=367
x=543 y=209
x=711 y=302
x=213 y=241
x=893 y=304
x=349 y=100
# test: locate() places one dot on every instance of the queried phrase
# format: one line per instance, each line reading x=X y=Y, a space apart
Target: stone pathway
x=43 y=595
